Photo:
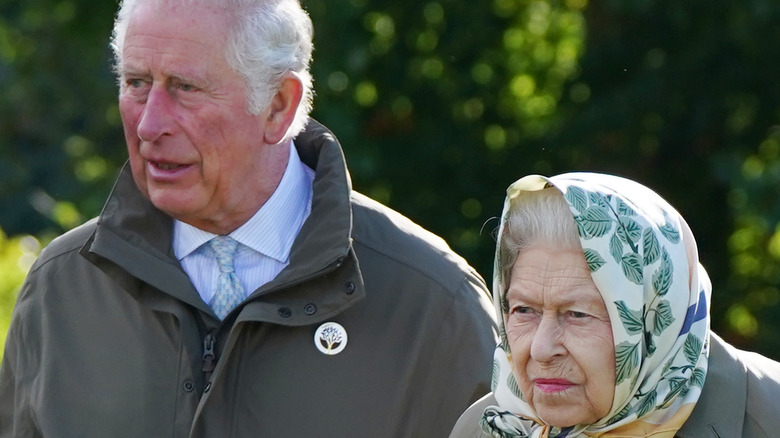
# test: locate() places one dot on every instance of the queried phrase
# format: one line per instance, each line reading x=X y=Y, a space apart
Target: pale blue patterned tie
x=230 y=292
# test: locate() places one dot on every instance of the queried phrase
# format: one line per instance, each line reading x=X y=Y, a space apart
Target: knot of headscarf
x=644 y=261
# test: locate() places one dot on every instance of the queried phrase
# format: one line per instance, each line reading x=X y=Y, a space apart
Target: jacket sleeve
x=763 y=393
x=461 y=367
x=16 y=374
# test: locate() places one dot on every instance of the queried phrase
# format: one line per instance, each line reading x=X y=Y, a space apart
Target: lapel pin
x=330 y=338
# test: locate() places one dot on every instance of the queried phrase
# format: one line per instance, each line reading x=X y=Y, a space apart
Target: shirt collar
x=273 y=228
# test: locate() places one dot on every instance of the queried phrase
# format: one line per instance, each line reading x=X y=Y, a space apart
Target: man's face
x=195 y=151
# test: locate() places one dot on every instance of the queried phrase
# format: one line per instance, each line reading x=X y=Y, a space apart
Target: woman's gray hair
x=269 y=38
x=539 y=216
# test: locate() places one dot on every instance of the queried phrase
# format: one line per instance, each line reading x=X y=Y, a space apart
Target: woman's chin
x=561 y=416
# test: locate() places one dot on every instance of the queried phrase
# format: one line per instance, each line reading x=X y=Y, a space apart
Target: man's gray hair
x=540 y=216
x=269 y=38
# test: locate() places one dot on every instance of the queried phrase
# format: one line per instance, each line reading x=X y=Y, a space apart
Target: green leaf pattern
x=513 y=386
x=494 y=379
x=662 y=277
x=697 y=379
x=632 y=268
x=662 y=317
x=626 y=361
x=692 y=348
x=616 y=248
x=670 y=231
x=623 y=209
x=632 y=319
x=650 y=246
x=596 y=221
x=629 y=231
x=594 y=260
x=599 y=199
x=647 y=403
x=637 y=246
x=577 y=198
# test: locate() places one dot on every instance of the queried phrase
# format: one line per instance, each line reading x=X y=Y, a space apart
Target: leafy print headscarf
x=644 y=261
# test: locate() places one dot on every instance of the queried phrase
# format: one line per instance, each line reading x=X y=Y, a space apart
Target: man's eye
x=134 y=83
x=186 y=87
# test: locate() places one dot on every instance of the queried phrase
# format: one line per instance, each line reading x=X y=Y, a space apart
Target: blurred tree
x=16 y=256
x=441 y=104
x=684 y=97
x=59 y=138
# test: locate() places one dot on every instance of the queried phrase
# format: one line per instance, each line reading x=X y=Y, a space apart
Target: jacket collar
x=718 y=413
x=133 y=237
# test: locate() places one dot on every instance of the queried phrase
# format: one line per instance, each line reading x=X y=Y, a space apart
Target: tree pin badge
x=330 y=338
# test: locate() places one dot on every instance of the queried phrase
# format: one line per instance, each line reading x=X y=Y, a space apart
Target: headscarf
x=644 y=261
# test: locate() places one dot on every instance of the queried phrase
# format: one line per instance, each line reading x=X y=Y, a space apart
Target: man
x=234 y=285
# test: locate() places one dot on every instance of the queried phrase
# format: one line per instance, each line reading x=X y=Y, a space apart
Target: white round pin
x=330 y=338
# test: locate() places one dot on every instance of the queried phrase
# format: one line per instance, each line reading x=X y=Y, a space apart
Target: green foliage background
x=441 y=104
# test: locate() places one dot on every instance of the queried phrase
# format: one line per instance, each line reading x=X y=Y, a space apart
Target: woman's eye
x=522 y=310
x=576 y=314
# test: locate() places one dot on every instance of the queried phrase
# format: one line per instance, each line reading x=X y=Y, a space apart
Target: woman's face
x=560 y=337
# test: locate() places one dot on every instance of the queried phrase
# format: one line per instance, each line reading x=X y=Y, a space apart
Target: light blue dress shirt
x=264 y=240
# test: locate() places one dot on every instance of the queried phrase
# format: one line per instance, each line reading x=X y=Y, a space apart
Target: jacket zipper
x=209 y=341
x=209 y=358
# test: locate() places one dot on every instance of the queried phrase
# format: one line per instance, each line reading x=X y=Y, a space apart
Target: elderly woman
x=604 y=313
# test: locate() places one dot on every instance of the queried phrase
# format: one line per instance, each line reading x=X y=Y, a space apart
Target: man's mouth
x=167 y=166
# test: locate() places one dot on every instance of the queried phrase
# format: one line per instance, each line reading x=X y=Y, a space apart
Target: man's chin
x=174 y=203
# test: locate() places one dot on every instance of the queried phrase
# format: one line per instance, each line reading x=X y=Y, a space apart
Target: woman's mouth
x=552 y=385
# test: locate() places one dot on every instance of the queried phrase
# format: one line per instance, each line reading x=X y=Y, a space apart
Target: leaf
x=594 y=259
x=577 y=198
x=620 y=415
x=649 y=344
x=623 y=208
x=647 y=403
x=599 y=199
x=513 y=386
x=662 y=317
x=596 y=221
x=667 y=367
x=626 y=361
x=676 y=386
x=697 y=378
x=669 y=231
x=651 y=248
x=631 y=319
x=616 y=248
x=629 y=230
x=662 y=277
x=580 y=229
x=692 y=348
x=494 y=379
x=632 y=268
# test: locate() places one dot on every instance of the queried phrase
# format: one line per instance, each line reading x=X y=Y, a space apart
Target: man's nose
x=157 y=116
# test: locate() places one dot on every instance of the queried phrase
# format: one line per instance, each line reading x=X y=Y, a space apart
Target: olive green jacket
x=110 y=339
x=741 y=398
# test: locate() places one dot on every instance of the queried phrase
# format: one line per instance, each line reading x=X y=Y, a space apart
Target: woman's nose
x=547 y=342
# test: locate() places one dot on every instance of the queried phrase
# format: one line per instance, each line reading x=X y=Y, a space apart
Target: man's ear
x=281 y=111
